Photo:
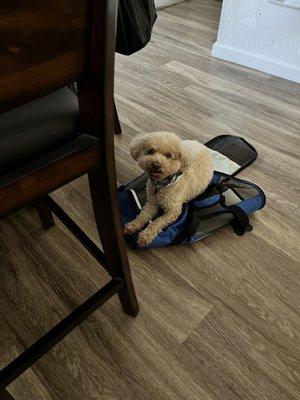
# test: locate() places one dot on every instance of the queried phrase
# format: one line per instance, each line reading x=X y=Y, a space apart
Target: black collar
x=169 y=180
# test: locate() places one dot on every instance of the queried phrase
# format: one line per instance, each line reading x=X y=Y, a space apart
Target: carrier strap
x=189 y=230
x=240 y=222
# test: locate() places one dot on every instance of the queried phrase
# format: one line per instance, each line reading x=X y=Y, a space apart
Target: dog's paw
x=144 y=239
x=128 y=229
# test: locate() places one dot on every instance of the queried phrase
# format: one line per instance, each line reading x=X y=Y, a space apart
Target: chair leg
x=107 y=215
x=4 y=395
x=45 y=214
x=118 y=128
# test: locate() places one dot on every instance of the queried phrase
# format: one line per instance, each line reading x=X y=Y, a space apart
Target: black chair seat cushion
x=29 y=131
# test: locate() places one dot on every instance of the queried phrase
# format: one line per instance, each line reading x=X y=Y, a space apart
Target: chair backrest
x=46 y=45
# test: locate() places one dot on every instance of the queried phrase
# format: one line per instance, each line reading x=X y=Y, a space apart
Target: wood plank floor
x=219 y=320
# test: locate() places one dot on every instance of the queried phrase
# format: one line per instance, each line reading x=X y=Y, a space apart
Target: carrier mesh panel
x=243 y=190
x=235 y=192
x=235 y=148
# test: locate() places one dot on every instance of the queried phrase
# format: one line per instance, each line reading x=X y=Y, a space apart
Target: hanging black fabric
x=135 y=22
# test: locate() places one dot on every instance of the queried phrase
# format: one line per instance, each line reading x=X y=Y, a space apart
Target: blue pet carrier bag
x=227 y=200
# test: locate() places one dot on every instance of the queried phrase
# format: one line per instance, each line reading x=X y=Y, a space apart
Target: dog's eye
x=168 y=155
x=151 y=151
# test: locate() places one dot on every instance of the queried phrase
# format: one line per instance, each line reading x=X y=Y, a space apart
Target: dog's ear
x=185 y=157
x=136 y=147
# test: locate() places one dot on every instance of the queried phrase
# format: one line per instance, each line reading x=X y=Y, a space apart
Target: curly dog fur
x=162 y=154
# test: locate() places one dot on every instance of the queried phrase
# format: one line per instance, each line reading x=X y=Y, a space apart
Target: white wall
x=260 y=35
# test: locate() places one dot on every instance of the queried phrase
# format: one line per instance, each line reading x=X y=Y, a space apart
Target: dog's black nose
x=155 y=166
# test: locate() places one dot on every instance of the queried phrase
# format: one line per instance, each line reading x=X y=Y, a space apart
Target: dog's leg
x=155 y=227
x=146 y=214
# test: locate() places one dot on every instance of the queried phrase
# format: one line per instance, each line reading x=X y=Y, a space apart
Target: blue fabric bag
x=227 y=200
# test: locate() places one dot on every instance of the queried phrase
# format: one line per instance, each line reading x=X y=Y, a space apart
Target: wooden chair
x=46 y=141
x=118 y=127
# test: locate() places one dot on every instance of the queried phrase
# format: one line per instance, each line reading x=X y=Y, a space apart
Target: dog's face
x=159 y=153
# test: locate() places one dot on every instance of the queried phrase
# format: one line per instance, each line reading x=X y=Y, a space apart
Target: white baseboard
x=268 y=65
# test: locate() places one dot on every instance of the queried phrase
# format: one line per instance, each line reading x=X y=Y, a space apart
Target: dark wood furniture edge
x=117 y=123
x=57 y=333
x=95 y=79
x=5 y=395
x=44 y=180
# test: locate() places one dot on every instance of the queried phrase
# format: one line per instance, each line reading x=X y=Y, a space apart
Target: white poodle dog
x=178 y=170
